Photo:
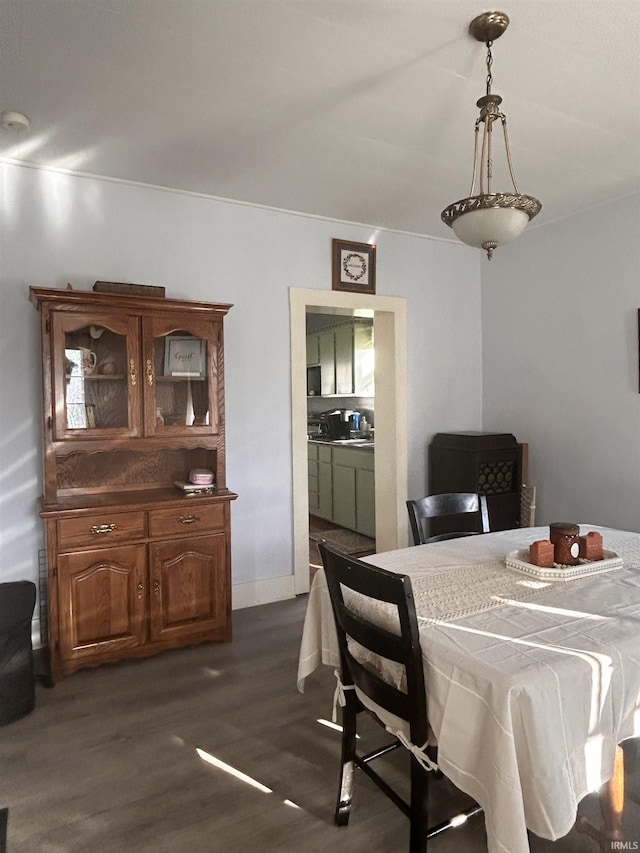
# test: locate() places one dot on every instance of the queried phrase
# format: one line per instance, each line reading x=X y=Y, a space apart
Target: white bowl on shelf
x=201 y=477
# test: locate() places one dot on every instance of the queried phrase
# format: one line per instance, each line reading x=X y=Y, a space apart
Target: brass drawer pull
x=132 y=372
x=188 y=519
x=149 y=372
x=104 y=528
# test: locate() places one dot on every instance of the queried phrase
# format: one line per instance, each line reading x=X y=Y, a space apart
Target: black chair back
x=451 y=506
x=397 y=639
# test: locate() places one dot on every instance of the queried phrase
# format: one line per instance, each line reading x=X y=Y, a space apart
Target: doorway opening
x=340 y=359
x=389 y=328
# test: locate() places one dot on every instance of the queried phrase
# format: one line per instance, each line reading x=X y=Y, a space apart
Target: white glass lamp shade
x=490 y=225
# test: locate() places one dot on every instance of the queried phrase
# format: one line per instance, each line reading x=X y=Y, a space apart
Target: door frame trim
x=390 y=335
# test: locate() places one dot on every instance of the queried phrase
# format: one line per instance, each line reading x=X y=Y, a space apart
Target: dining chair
x=451 y=506
x=402 y=710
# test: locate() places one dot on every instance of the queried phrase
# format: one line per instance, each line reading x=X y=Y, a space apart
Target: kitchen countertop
x=351 y=443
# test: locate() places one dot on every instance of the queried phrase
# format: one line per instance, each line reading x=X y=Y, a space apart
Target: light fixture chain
x=489 y=64
x=483 y=158
x=508 y=150
x=475 y=157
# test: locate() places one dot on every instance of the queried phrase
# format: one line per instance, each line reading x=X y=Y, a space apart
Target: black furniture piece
x=17 y=680
x=490 y=463
x=4 y=819
x=404 y=648
x=448 y=508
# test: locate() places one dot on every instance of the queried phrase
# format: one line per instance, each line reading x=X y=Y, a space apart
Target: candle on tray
x=591 y=546
x=541 y=554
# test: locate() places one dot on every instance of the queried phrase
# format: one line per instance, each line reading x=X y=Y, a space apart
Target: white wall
x=59 y=228
x=560 y=355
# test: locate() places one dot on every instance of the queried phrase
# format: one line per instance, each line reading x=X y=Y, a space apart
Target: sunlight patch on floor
x=238 y=774
x=221 y=765
x=331 y=725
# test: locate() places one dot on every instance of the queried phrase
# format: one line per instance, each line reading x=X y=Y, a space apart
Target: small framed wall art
x=185 y=356
x=354 y=267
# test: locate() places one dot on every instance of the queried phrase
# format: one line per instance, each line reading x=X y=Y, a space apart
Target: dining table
x=532 y=677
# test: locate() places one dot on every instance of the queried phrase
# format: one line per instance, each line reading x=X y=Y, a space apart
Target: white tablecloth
x=528 y=699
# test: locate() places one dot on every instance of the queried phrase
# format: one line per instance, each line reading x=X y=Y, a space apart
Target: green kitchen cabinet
x=312 y=477
x=320 y=481
x=327 y=347
x=354 y=490
x=325 y=484
x=342 y=486
x=366 y=502
x=344 y=359
x=363 y=359
x=313 y=350
x=345 y=354
x=344 y=496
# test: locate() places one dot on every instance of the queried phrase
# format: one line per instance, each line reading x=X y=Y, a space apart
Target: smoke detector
x=15 y=121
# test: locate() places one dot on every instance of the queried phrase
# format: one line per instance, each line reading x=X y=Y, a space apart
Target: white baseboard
x=262 y=592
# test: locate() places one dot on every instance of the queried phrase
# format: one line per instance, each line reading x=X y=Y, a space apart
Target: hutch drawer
x=101 y=530
x=186 y=520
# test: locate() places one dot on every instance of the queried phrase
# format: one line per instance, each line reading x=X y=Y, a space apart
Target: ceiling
x=356 y=110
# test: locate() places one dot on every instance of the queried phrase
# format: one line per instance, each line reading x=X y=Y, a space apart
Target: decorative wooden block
x=591 y=546
x=541 y=554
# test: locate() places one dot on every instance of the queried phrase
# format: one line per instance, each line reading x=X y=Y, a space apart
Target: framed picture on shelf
x=185 y=356
x=354 y=267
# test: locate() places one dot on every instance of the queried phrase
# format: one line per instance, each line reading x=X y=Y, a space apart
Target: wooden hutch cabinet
x=133 y=401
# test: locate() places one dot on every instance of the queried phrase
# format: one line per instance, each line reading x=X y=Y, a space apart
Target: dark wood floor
x=108 y=762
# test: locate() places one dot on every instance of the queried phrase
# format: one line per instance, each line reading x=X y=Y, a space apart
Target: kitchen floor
x=316 y=525
x=319 y=525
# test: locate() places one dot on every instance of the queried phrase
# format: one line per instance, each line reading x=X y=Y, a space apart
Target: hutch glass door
x=96 y=370
x=180 y=380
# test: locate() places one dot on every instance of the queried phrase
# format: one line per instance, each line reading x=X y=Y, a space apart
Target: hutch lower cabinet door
x=188 y=594
x=112 y=599
x=101 y=603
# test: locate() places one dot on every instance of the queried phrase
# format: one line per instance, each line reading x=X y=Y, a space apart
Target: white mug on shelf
x=88 y=360
x=83 y=361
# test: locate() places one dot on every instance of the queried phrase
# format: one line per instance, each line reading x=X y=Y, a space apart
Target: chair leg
x=348 y=765
x=419 y=808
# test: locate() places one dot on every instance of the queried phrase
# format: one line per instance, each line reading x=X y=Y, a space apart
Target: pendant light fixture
x=487 y=219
